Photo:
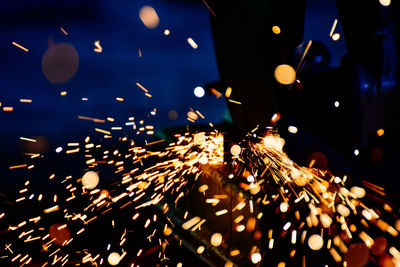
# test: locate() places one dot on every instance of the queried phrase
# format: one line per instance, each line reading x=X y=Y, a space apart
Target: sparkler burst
x=271 y=203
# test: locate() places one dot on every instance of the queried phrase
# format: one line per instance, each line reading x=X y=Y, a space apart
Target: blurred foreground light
x=358 y=191
x=199 y=91
x=285 y=74
x=58 y=149
x=216 y=239
x=336 y=37
x=200 y=250
x=172 y=115
x=315 y=242
x=167 y=32
x=250 y=178
x=385 y=2
x=292 y=129
x=114 y=258
x=192 y=115
x=203 y=160
x=276 y=29
x=90 y=179
x=60 y=63
x=356 y=152
x=336 y=104
x=380 y=132
x=199 y=138
x=283 y=207
x=192 y=43
x=235 y=150
x=149 y=17
x=256 y=258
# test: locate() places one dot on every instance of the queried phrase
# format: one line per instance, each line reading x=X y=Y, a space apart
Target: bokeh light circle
x=149 y=17
x=60 y=63
x=90 y=180
x=114 y=258
x=285 y=74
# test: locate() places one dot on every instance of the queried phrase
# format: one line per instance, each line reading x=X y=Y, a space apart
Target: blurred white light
x=199 y=91
x=250 y=178
x=385 y=2
x=58 y=149
x=336 y=104
x=114 y=258
x=90 y=179
x=356 y=152
x=292 y=129
x=256 y=257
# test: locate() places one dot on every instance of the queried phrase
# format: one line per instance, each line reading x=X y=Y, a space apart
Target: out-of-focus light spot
x=167 y=32
x=200 y=250
x=192 y=115
x=358 y=191
x=283 y=207
x=90 y=179
x=199 y=138
x=315 y=242
x=216 y=239
x=292 y=129
x=60 y=233
x=240 y=228
x=172 y=115
x=63 y=93
x=228 y=264
x=179 y=264
x=336 y=37
x=275 y=118
x=149 y=17
x=336 y=104
x=113 y=258
x=256 y=258
x=203 y=160
x=356 y=152
x=276 y=29
x=380 y=132
x=385 y=2
x=285 y=74
x=230 y=176
x=199 y=91
x=250 y=178
x=235 y=150
x=58 y=149
x=60 y=63
x=167 y=231
x=192 y=43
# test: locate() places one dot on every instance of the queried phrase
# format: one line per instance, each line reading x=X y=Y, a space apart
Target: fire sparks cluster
x=312 y=210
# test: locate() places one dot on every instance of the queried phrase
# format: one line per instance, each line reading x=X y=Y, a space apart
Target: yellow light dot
x=167 y=32
x=380 y=132
x=285 y=74
x=335 y=36
x=200 y=250
x=315 y=242
x=90 y=179
x=216 y=239
x=114 y=258
x=276 y=29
